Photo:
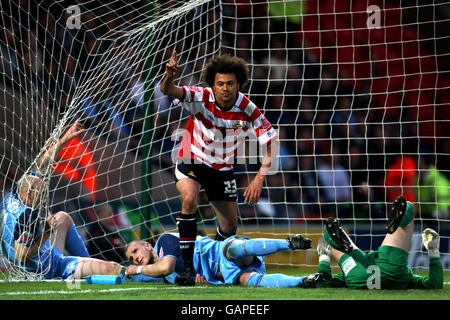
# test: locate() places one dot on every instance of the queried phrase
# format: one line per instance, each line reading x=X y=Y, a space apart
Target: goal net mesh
x=357 y=90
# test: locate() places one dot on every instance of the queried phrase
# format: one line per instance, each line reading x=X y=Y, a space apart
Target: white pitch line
x=88 y=291
x=100 y=291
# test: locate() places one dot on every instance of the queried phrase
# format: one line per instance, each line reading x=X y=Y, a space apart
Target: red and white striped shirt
x=213 y=135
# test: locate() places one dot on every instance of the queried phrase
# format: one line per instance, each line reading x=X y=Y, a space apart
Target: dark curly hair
x=227 y=64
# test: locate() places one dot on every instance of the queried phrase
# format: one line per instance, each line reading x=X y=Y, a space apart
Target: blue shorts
x=49 y=261
x=61 y=266
x=209 y=260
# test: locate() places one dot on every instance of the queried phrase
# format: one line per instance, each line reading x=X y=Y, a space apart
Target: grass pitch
x=146 y=291
x=85 y=301
x=157 y=291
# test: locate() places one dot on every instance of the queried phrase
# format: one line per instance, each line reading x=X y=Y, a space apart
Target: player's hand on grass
x=200 y=280
x=430 y=239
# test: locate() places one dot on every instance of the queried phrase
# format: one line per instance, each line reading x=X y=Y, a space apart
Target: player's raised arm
x=30 y=186
x=75 y=130
x=167 y=86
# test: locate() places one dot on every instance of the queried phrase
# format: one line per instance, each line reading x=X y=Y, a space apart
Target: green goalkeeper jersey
x=394 y=273
x=435 y=279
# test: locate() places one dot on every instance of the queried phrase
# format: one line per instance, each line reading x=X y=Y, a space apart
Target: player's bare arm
x=254 y=189
x=30 y=187
x=160 y=268
x=167 y=86
x=75 y=130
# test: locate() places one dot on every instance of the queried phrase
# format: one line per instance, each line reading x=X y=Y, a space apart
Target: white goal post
x=358 y=92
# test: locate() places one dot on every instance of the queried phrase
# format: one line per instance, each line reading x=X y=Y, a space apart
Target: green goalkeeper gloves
x=430 y=239
x=323 y=250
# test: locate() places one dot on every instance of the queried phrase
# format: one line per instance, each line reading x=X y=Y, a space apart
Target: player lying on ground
x=35 y=244
x=236 y=260
x=391 y=257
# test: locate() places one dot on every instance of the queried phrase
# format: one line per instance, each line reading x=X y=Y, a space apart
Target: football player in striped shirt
x=221 y=117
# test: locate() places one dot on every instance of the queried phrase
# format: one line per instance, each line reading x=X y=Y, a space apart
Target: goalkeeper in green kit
x=388 y=263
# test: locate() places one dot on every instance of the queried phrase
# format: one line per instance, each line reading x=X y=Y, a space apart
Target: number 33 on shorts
x=230 y=187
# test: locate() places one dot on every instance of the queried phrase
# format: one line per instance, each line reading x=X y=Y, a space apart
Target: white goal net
x=357 y=90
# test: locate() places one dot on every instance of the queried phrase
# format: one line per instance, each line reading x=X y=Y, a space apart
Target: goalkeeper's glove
x=430 y=239
x=323 y=250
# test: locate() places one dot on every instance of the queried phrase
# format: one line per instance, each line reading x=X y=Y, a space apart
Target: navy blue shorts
x=218 y=185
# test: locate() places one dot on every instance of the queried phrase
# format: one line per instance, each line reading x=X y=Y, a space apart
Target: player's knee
x=234 y=248
x=189 y=203
x=249 y=279
x=236 y=252
x=64 y=218
x=229 y=226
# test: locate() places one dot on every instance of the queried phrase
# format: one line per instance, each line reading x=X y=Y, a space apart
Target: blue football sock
x=256 y=247
x=74 y=243
x=275 y=280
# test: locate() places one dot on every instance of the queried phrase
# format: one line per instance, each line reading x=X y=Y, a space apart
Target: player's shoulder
x=170 y=235
x=11 y=201
x=168 y=238
x=247 y=106
x=244 y=103
x=198 y=94
x=168 y=244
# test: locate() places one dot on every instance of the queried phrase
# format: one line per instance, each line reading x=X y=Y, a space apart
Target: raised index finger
x=175 y=55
